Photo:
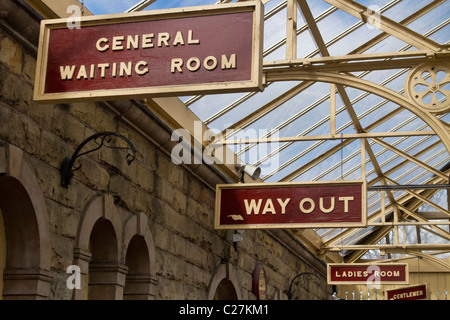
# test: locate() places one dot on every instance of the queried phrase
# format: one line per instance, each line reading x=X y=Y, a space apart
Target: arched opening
x=224 y=284
x=225 y=291
x=138 y=279
x=19 y=243
x=104 y=281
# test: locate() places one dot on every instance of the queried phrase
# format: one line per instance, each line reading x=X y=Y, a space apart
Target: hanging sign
x=363 y=273
x=417 y=292
x=291 y=205
x=184 y=51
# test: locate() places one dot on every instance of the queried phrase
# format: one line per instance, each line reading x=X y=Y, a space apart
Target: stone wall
x=178 y=206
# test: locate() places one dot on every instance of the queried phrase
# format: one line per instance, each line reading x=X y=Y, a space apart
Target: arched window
x=224 y=284
x=24 y=234
x=138 y=279
x=105 y=272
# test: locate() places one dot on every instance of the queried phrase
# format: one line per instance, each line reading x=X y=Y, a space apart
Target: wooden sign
x=416 y=292
x=182 y=51
x=291 y=205
x=363 y=273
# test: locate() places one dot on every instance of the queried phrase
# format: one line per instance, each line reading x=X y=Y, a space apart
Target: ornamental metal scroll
x=101 y=139
x=428 y=85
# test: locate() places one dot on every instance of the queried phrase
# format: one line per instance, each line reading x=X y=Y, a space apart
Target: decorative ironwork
x=303 y=277
x=428 y=86
x=101 y=139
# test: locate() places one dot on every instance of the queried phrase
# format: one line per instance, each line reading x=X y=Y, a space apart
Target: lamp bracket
x=102 y=139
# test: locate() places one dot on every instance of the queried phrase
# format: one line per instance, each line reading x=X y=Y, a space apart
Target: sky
x=113 y=6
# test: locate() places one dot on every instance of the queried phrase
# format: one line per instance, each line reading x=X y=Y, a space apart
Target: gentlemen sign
x=354 y=273
x=151 y=53
x=291 y=205
x=417 y=292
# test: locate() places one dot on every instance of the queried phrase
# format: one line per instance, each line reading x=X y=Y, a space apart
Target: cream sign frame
x=183 y=51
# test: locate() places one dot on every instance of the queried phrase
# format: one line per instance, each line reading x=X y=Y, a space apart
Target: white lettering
x=228 y=63
x=312 y=205
x=323 y=209
x=132 y=42
x=82 y=73
x=190 y=38
x=210 y=63
x=99 y=46
x=125 y=68
x=147 y=40
x=252 y=207
x=102 y=67
x=269 y=207
x=283 y=204
x=141 y=71
x=207 y=63
x=117 y=43
x=176 y=63
x=66 y=72
x=196 y=65
x=163 y=38
x=346 y=200
x=178 y=39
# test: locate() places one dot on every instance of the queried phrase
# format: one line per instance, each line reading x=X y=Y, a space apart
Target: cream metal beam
x=291 y=30
x=362 y=135
x=141 y=5
x=410 y=158
x=267 y=108
x=360 y=62
x=408 y=197
x=387 y=25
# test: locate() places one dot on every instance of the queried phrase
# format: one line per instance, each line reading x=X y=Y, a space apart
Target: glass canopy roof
x=313 y=128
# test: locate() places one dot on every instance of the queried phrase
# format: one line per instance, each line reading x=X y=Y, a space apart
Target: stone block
x=84 y=111
x=52 y=149
x=29 y=68
x=11 y=55
x=179 y=201
x=67 y=126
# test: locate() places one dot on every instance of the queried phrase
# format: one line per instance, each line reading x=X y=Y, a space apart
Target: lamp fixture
x=101 y=139
x=252 y=171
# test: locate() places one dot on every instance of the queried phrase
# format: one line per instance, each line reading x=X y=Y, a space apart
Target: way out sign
x=183 y=51
x=291 y=205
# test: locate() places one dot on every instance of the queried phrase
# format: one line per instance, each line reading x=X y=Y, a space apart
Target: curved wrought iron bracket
x=101 y=139
x=308 y=276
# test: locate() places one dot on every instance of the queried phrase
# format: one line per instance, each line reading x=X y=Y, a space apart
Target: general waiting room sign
x=291 y=205
x=182 y=51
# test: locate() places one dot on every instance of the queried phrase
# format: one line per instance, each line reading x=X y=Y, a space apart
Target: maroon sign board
x=181 y=51
x=358 y=273
x=416 y=292
x=291 y=205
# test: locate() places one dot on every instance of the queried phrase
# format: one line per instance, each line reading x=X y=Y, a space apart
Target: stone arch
x=224 y=284
x=141 y=280
x=97 y=251
x=26 y=227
